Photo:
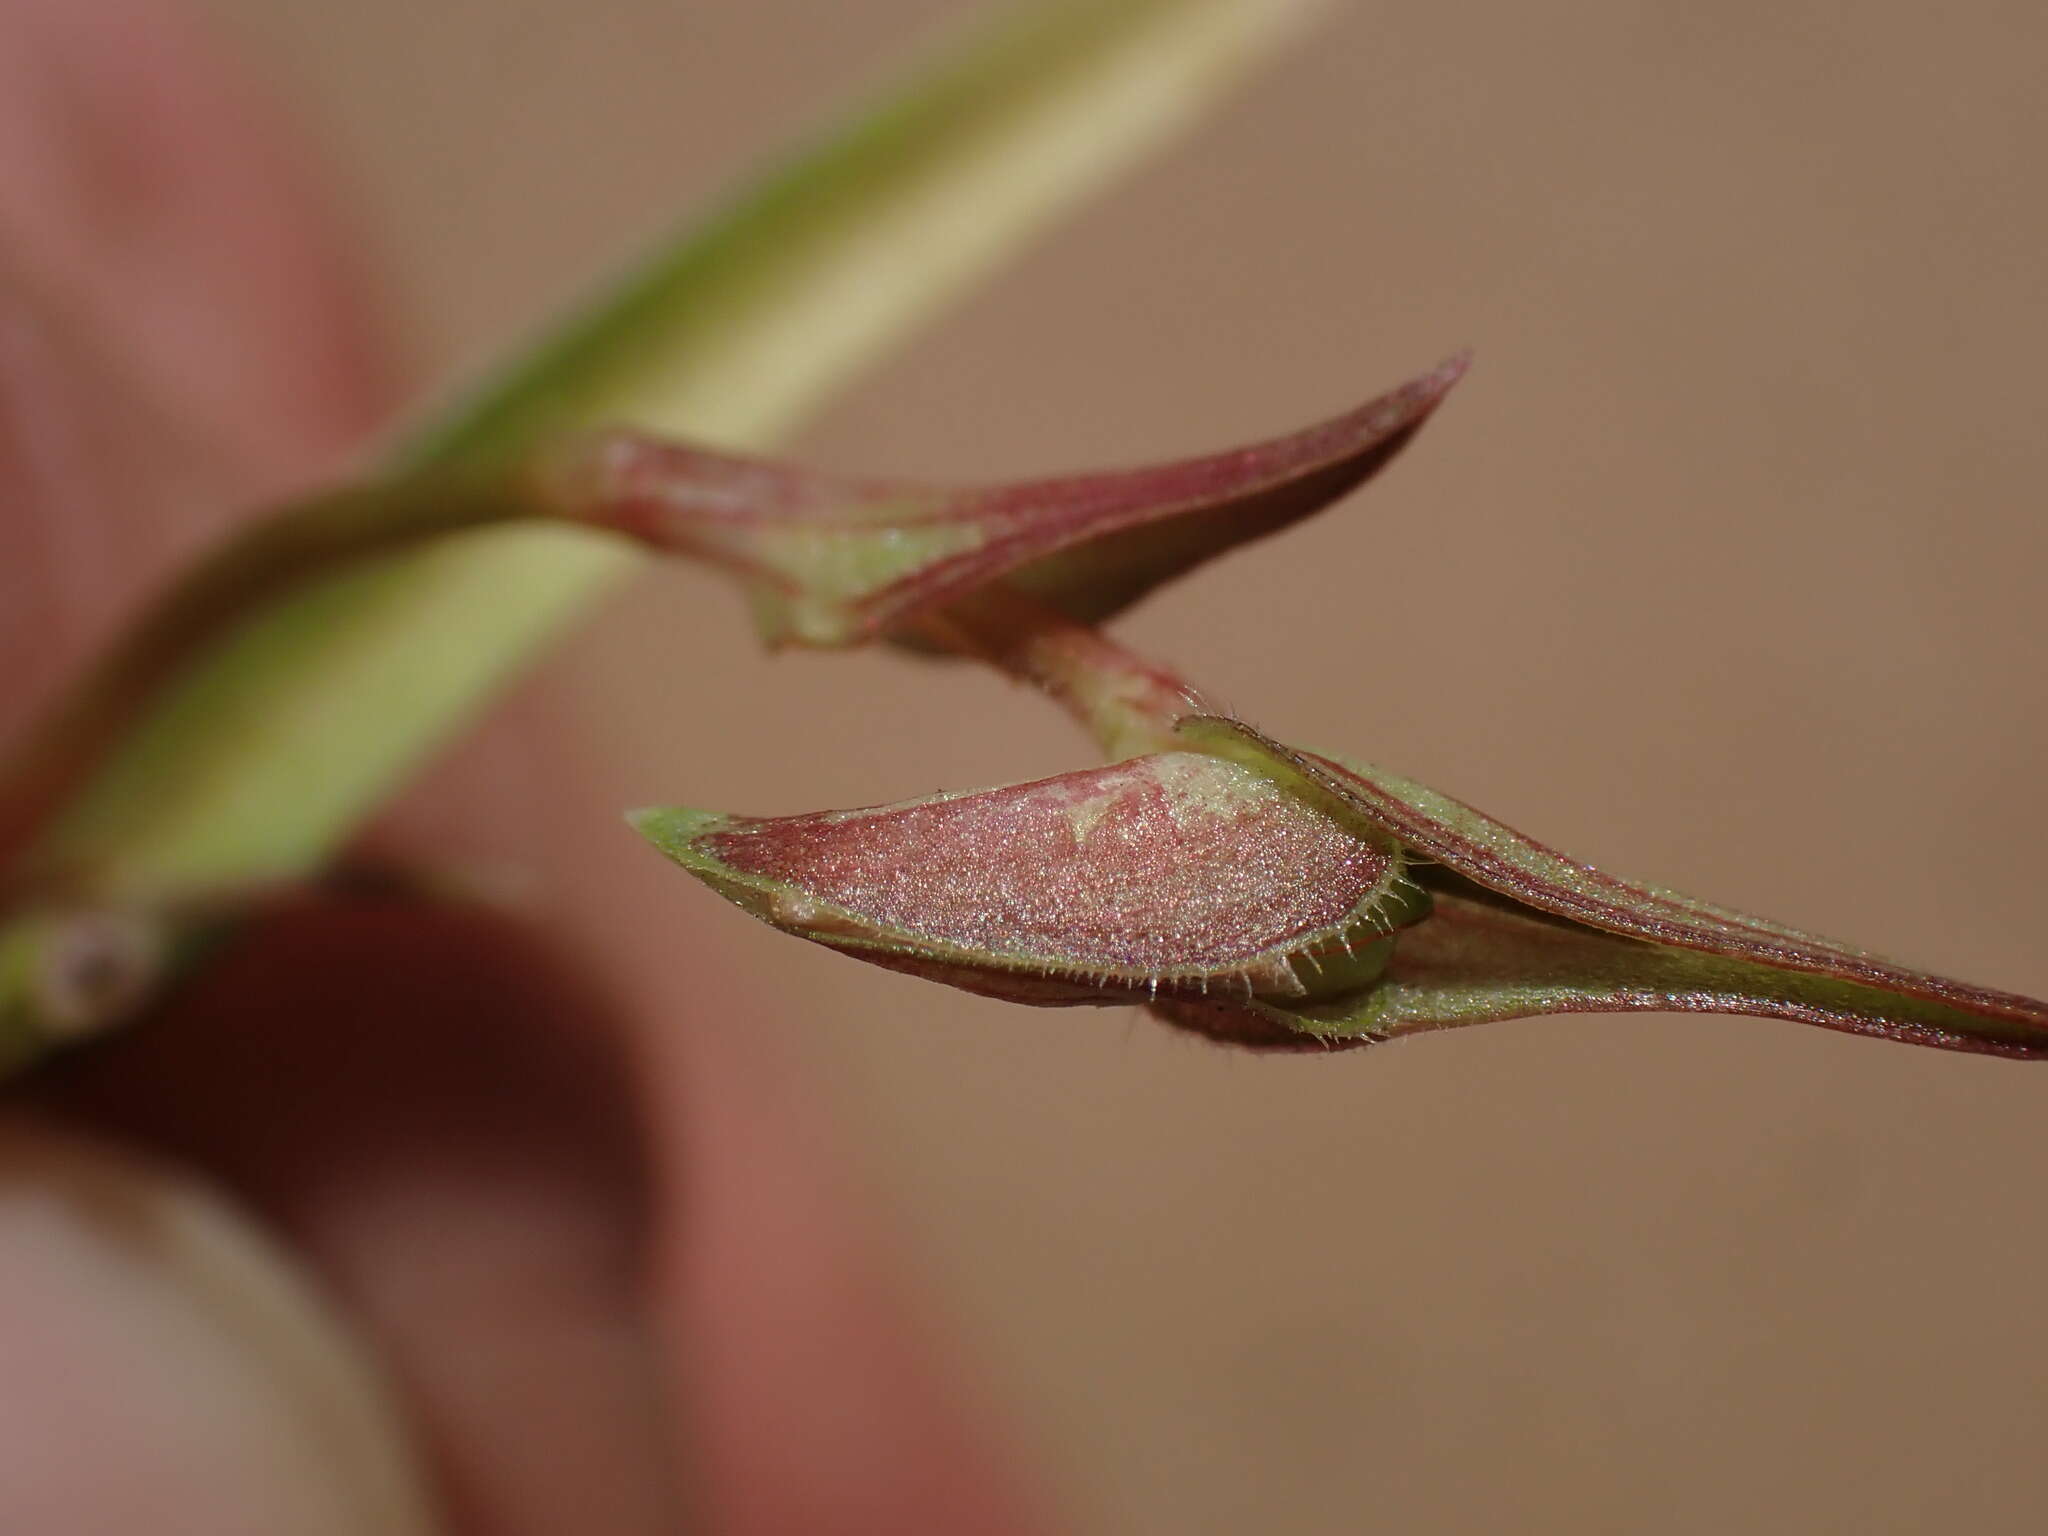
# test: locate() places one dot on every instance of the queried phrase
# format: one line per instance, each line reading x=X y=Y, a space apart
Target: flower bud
x=1171 y=874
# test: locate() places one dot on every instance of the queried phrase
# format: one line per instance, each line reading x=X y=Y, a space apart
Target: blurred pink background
x=1724 y=568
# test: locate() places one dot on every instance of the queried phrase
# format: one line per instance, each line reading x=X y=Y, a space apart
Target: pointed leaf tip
x=662 y=824
x=1519 y=929
x=830 y=560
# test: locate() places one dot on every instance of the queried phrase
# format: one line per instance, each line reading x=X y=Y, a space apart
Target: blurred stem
x=267 y=562
x=297 y=715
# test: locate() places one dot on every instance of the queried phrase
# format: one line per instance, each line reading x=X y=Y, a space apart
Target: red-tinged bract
x=831 y=560
x=1168 y=873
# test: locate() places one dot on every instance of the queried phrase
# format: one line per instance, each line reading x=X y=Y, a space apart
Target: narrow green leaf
x=288 y=731
x=732 y=334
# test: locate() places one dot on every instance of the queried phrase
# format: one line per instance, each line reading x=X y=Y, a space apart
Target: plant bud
x=66 y=975
x=1172 y=874
x=1280 y=899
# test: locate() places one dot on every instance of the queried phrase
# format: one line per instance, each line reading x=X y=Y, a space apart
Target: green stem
x=1127 y=703
x=287 y=720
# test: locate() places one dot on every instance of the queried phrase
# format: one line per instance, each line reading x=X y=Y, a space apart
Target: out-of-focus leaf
x=284 y=733
x=742 y=324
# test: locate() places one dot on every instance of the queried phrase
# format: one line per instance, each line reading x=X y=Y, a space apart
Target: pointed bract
x=1520 y=929
x=834 y=561
x=1173 y=873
